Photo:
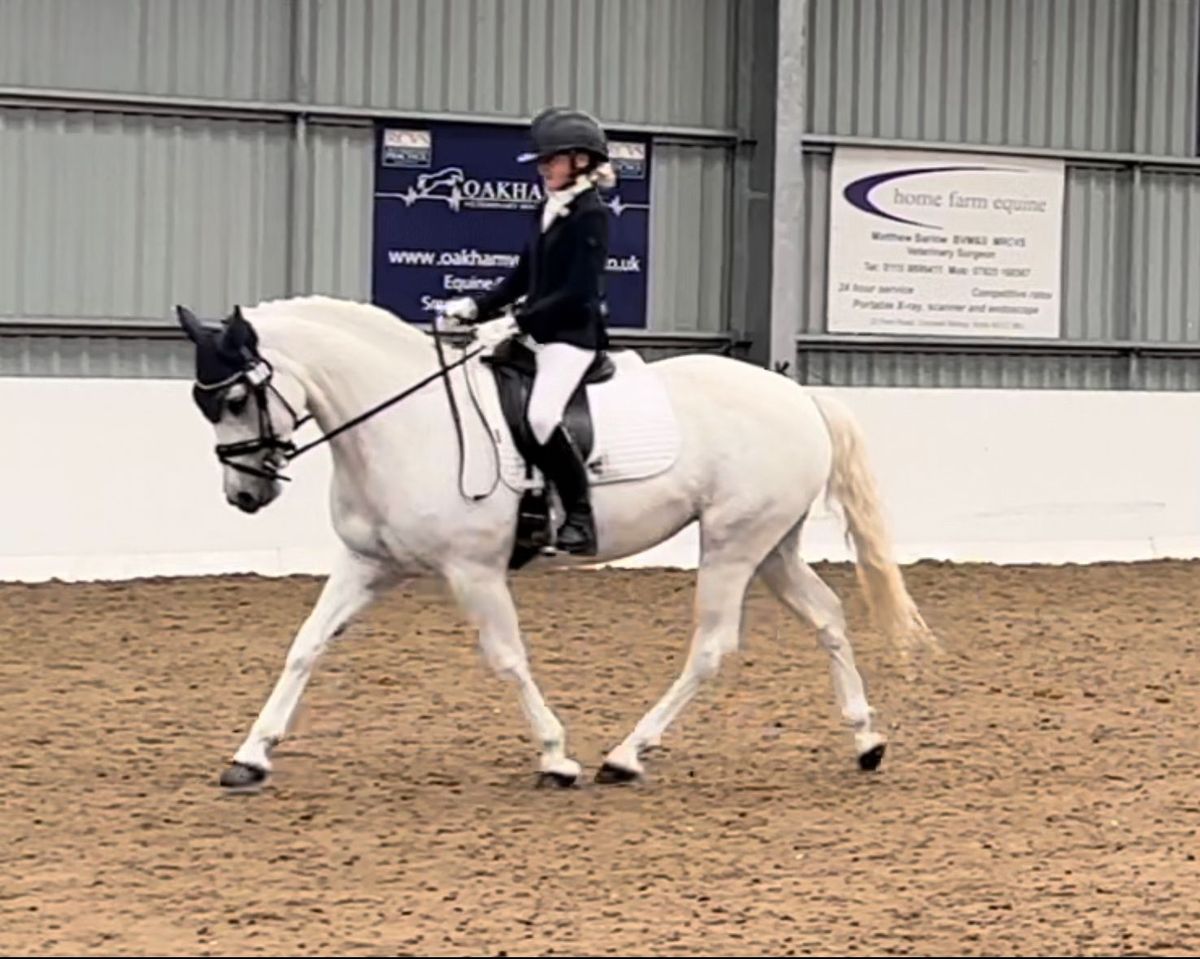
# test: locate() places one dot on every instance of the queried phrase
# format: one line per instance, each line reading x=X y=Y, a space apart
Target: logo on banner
x=858 y=193
x=407 y=149
x=628 y=159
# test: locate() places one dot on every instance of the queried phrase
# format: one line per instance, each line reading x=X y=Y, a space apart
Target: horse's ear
x=191 y=326
x=239 y=334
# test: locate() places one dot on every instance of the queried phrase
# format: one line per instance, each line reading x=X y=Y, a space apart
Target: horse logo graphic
x=444 y=185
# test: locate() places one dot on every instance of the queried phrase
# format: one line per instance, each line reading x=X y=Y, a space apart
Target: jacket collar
x=558 y=202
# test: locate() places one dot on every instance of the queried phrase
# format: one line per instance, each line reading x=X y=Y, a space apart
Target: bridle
x=256 y=376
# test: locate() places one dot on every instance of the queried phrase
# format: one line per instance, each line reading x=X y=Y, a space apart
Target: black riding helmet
x=560 y=130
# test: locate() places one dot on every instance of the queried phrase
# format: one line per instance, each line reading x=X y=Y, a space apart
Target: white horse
x=752 y=452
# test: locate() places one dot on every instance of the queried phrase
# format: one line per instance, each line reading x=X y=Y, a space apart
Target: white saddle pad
x=635 y=431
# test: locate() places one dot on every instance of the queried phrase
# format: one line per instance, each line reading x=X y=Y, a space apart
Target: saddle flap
x=622 y=420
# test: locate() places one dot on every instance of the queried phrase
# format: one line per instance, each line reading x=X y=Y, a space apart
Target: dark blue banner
x=453 y=209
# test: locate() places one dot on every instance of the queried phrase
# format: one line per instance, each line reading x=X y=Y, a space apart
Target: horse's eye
x=236 y=405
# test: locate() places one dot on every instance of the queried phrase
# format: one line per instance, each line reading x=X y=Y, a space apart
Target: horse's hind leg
x=731 y=552
x=812 y=601
x=485 y=597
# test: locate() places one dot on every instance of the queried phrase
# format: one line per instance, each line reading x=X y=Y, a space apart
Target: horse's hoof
x=610 y=774
x=870 y=760
x=242 y=777
x=557 y=780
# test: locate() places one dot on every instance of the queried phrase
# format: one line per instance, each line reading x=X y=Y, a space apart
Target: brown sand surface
x=1040 y=793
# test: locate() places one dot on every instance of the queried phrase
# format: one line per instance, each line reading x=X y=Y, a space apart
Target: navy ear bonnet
x=223 y=356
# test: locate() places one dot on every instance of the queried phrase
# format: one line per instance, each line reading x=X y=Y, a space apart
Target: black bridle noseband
x=256 y=376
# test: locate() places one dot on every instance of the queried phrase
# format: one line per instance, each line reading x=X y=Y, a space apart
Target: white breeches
x=560 y=367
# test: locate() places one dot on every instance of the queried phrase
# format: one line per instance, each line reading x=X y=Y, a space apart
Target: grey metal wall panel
x=946 y=369
x=1167 y=373
x=342 y=184
x=238 y=49
x=1168 y=34
x=645 y=61
x=816 y=253
x=688 y=270
x=98 y=356
x=1022 y=72
x=1167 y=235
x=114 y=216
x=1094 y=250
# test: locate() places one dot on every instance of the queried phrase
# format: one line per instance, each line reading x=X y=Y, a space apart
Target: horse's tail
x=852 y=484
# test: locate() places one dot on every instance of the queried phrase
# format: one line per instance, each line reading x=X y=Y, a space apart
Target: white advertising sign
x=948 y=244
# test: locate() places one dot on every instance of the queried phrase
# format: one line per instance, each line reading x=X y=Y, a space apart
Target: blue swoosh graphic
x=858 y=192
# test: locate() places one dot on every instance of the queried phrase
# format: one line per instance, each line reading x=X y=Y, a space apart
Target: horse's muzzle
x=245 y=501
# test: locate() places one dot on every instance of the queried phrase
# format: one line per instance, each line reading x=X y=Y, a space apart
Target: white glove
x=463 y=308
x=495 y=332
x=444 y=323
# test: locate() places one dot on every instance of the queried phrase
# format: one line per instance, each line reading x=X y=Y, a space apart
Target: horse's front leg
x=354 y=582
x=484 y=596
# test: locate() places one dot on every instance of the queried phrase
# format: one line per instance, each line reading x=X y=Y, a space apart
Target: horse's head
x=252 y=405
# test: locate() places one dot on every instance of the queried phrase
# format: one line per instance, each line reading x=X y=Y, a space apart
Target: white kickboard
x=636 y=432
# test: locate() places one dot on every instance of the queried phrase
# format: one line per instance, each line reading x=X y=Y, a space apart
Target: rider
x=561 y=275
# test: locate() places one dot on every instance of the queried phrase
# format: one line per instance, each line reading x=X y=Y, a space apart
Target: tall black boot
x=565 y=469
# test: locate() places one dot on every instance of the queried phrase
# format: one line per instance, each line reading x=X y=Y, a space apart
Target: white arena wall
x=113 y=479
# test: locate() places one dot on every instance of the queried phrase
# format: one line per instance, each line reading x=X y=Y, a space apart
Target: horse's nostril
x=246 y=500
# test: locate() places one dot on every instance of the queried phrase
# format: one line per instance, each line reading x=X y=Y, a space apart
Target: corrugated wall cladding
x=235 y=49
x=816 y=259
x=342 y=185
x=1167 y=234
x=1095 y=274
x=689 y=276
x=98 y=356
x=1168 y=34
x=645 y=61
x=947 y=369
x=112 y=216
x=1065 y=74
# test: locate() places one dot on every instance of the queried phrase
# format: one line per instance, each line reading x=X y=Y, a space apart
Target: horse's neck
x=344 y=373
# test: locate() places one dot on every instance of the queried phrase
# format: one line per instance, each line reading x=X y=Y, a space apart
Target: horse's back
x=748 y=425
x=740 y=386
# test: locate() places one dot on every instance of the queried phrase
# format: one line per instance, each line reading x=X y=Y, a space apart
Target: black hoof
x=557 y=780
x=870 y=760
x=243 y=777
x=609 y=774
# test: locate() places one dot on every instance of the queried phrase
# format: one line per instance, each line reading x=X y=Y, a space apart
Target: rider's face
x=557 y=170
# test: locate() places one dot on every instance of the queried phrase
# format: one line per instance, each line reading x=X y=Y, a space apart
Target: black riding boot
x=565 y=470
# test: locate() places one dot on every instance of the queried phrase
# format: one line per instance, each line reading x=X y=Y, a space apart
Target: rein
x=442 y=373
x=258 y=375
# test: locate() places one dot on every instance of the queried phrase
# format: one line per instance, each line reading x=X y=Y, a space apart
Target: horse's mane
x=385 y=331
